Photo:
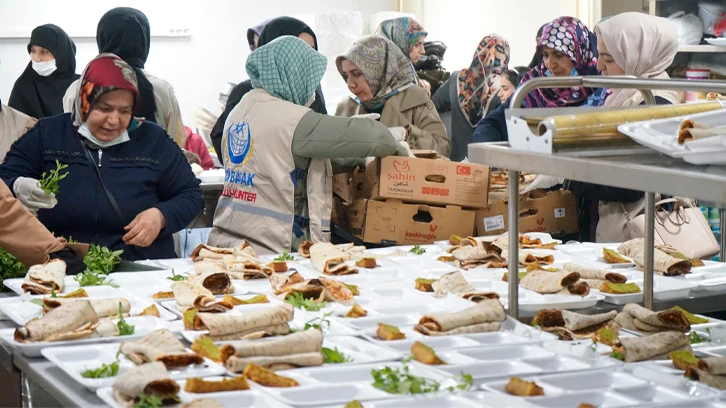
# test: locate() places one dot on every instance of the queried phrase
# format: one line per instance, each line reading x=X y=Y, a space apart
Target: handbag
x=685 y=229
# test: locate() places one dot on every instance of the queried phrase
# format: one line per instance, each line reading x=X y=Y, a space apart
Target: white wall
x=197 y=66
x=461 y=24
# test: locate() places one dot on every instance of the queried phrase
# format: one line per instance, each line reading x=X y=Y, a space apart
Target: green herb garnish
x=285 y=257
x=619 y=356
x=297 y=300
x=52 y=291
x=91 y=278
x=333 y=356
x=101 y=259
x=49 y=180
x=417 y=250
x=38 y=302
x=176 y=278
x=318 y=322
x=148 y=401
x=400 y=381
x=124 y=329
x=593 y=346
x=106 y=370
x=10 y=267
x=695 y=338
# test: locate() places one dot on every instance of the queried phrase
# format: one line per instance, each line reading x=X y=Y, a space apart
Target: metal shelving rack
x=649 y=171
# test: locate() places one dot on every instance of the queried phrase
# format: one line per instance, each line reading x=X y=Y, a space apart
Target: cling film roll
x=601 y=128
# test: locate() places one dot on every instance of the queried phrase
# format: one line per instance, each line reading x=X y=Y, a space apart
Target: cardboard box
x=426 y=180
x=376 y=221
x=551 y=212
x=345 y=185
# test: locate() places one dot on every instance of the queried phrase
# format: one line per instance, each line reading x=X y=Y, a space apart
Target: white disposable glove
x=205 y=119
x=373 y=116
x=399 y=133
x=543 y=181
x=407 y=147
x=32 y=196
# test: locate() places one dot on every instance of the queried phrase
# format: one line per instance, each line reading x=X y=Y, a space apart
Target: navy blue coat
x=147 y=171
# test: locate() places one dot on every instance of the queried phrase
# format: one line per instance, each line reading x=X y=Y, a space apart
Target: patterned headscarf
x=384 y=66
x=103 y=74
x=288 y=68
x=571 y=37
x=478 y=83
x=403 y=31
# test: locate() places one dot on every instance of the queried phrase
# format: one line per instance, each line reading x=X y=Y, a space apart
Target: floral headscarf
x=103 y=74
x=571 y=37
x=384 y=66
x=403 y=31
x=478 y=83
x=288 y=68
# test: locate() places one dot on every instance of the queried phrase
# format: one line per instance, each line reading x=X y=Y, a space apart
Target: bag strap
x=110 y=196
x=625 y=211
x=666 y=201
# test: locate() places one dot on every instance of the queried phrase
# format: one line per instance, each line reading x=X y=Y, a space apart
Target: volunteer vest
x=258 y=200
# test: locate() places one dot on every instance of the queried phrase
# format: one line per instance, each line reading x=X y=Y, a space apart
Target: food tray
x=322 y=386
x=171 y=305
x=231 y=399
x=145 y=284
x=74 y=360
x=664 y=374
x=532 y=302
x=604 y=388
x=144 y=325
x=593 y=253
x=711 y=277
x=22 y=310
x=431 y=251
x=422 y=266
x=69 y=285
x=663 y=289
x=423 y=401
x=180 y=265
x=512 y=332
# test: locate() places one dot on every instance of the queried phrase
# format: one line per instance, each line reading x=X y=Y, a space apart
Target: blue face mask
x=572 y=73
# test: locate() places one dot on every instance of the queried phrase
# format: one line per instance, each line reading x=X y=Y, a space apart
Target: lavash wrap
x=160 y=345
x=150 y=379
x=68 y=322
x=40 y=279
x=663 y=264
x=300 y=349
x=655 y=346
x=330 y=260
x=191 y=295
x=485 y=316
x=268 y=321
x=107 y=307
x=213 y=276
x=590 y=273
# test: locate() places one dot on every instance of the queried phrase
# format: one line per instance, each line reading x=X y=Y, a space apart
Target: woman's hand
x=144 y=229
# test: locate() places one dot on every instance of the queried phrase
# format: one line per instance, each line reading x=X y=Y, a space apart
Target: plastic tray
x=593 y=253
x=532 y=302
x=74 y=360
x=145 y=284
x=172 y=306
x=178 y=264
x=663 y=289
x=423 y=266
x=144 y=325
x=232 y=399
x=423 y=401
x=69 y=285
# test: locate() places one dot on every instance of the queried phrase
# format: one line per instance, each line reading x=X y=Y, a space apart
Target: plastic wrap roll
x=601 y=128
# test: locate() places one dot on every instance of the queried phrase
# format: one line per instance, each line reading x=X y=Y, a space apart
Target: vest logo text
x=239 y=177
x=240 y=146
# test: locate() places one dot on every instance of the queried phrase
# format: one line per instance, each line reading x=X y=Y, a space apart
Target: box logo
x=401 y=166
x=420 y=236
x=434 y=191
x=433 y=227
x=463 y=170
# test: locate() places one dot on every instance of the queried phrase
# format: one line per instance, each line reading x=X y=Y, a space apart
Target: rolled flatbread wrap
x=296 y=343
x=41 y=278
x=713 y=365
x=626 y=321
x=669 y=319
x=663 y=264
x=579 y=288
x=487 y=311
x=455 y=283
x=250 y=322
x=213 y=276
x=328 y=259
x=703 y=376
x=70 y=321
x=160 y=345
x=471 y=329
x=577 y=321
x=482 y=251
x=150 y=379
x=644 y=348
x=595 y=273
x=203 y=403
x=193 y=295
x=278 y=363
x=548 y=282
x=202 y=252
x=107 y=307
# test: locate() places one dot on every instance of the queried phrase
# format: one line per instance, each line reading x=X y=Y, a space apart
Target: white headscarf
x=643 y=46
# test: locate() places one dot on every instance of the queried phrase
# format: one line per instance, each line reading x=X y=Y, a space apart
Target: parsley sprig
x=298 y=301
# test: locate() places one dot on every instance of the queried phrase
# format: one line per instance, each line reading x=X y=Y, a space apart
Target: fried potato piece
x=424 y=285
x=368 y=263
x=278 y=266
x=619 y=288
x=425 y=354
x=519 y=387
x=78 y=293
x=454 y=240
x=683 y=359
x=163 y=295
x=201 y=386
x=267 y=378
x=386 y=332
x=356 y=311
x=612 y=257
x=151 y=311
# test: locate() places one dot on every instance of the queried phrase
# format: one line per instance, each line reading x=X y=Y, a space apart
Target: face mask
x=310 y=101
x=44 y=68
x=574 y=72
x=83 y=131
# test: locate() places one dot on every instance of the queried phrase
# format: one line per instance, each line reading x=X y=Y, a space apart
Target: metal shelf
x=701 y=48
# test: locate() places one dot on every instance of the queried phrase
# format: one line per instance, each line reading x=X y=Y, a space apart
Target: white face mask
x=85 y=132
x=44 y=68
x=310 y=101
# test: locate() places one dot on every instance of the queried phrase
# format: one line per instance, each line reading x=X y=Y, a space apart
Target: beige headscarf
x=643 y=46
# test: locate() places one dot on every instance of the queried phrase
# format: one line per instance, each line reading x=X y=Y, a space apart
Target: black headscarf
x=537 y=57
x=275 y=28
x=125 y=31
x=40 y=96
x=255 y=30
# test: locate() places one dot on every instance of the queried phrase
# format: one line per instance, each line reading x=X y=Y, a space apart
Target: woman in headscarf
x=253 y=34
x=629 y=44
x=382 y=82
x=409 y=36
x=128 y=186
x=125 y=32
x=473 y=91
x=13 y=124
x=278 y=175
x=275 y=28
x=537 y=57
x=52 y=68
x=568 y=48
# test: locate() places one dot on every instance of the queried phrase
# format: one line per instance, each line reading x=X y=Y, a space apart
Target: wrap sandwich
x=107 y=307
x=330 y=260
x=470 y=255
x=483 y=317
x=202 y=251
x=41 y=278
x=574 y=326
x=455 y=283
x=319 y=290
x=548 y=282
x=663 y=264
x=246 y=268
x=160 y=345
x=703 y=376
x=595 y=274
x=254 y=324
x=279 y=282
x=213 y=276
x=71 y=321
x=650 y=321
x=653 y=347
x=203 y=403
x=193 y=295
x=149 y=379
x=690 y=131
x=528 y=258
x=304 y=249
x=301 y=349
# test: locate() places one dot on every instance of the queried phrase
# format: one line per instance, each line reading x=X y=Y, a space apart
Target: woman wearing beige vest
x=277 y=152
x=13 y=124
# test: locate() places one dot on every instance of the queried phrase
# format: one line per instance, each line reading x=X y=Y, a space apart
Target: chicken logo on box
x=402 y=168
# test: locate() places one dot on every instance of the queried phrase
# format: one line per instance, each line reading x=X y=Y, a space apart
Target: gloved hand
x=543 y=181
x=407 y=147
x=205 y=118
x=32 y=196
x=399 y=133
x=373 y=116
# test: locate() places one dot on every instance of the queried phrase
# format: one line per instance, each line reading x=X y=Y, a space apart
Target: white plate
x=21 y=311
x=424 y=401
x=720 y=42
x=74 y=360
x=145 y=284
x=178 y=264
x=171 y=305
x=663 y=289
x=422 y=266
x=532 y=302
x=231 y=399
x=70 y=285
x=144 y=325
x=593 y=253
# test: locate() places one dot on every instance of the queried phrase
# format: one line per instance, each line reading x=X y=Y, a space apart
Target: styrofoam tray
x=231 y=399
x=664 y=374
x=719 y=42
x=593 y=254
x=663 y=289
x=423 y=401
x=22 y=310
x=322 y=386
x=178 y=264
x=145 y=284
x=74 y=360
x=711 y=277
x=423 y=267
x=70 y=285
x=431 y=250
x=532 y=302
x=144 y=325
x=171 y=305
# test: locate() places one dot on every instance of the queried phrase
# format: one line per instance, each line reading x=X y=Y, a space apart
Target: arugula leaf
x=91 y=278
x=400 y=381
x=52 y=291
x=10 y=267
x=38 y=302
x=593 y=346
x=297 y=300
x=49 y=180
x=318 y=322
x=176 y=278
x=417 y=250
x=101 y=259
x=106 y=370
x=695 y=338
x=466 y=381
x=124 y=329
x=285 y=257
x=334 y=356
x=618 y=355
x=148 y=401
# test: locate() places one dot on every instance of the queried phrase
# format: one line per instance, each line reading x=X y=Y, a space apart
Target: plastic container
x=697 y=75
x=708 y=13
